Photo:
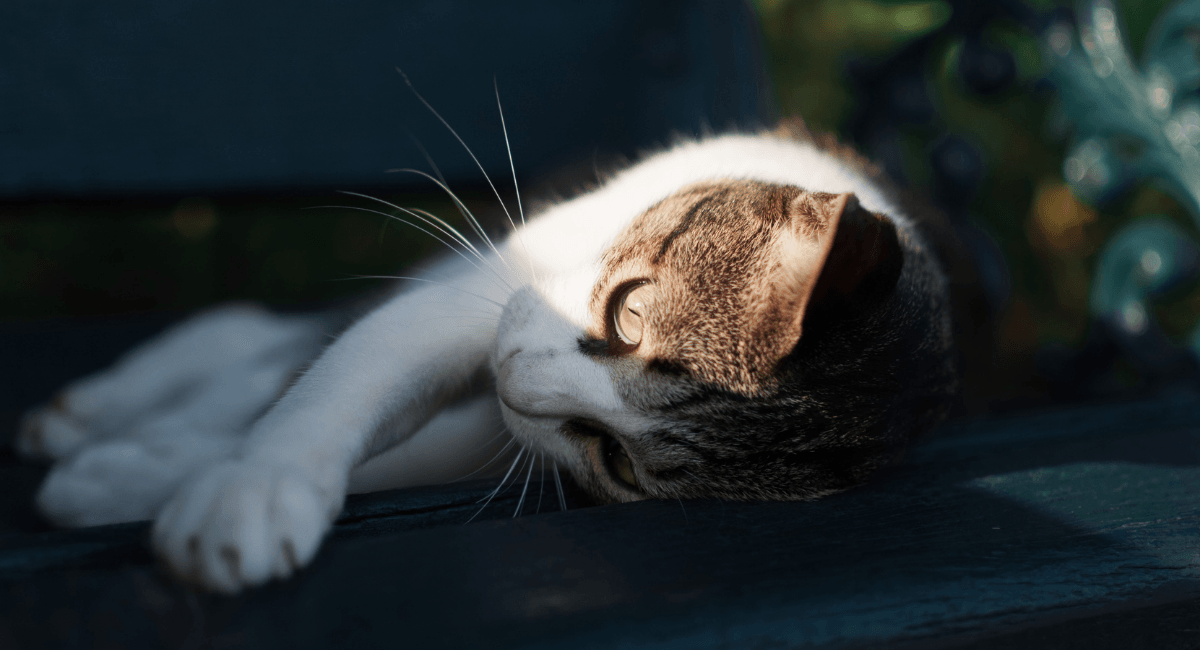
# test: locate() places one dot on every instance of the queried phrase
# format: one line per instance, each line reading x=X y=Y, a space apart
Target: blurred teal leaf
x=1106 y=96
x=1142 y=260
x=1130 y=123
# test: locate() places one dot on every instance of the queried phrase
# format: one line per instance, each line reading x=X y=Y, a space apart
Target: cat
x=744 y=316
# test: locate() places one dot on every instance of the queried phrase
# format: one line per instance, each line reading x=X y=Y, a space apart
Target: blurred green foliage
x=72 y=259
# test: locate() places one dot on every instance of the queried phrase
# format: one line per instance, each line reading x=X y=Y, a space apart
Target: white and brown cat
x=743 y=317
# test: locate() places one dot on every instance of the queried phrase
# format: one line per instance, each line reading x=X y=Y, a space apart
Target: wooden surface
x=1073 y=528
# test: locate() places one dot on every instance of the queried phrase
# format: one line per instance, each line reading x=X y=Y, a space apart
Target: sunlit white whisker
x=406 y=222
x=510 y=443
x=541 y=483
x=562 y=498
x=462 y=208
x=439 y=219
x=458 y=203
x=521 y=501
x=460 y=141
x=444 y=184
x=441 y=181
x=426 y=216
x=431 y=219
x=502 y=481
x=508 y=147
x=497 y=253
x=403 y=221
x=478 y=164
x=516 y=187
x=428 y=158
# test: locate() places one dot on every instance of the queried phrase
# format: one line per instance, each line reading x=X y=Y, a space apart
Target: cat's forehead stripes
x=720 y=254
x=688 y=218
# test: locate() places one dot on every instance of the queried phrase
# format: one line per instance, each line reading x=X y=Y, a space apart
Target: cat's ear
x=832 y=257
x=863 y=261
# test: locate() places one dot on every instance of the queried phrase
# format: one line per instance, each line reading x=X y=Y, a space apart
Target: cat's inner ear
x=833 y=255
x=864 y=259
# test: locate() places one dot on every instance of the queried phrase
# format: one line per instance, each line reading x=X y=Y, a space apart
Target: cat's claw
x=242 y=523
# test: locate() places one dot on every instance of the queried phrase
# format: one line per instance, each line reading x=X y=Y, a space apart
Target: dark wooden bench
x=1074 y=528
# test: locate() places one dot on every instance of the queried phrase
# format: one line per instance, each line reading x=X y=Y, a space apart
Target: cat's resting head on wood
x=741 y=337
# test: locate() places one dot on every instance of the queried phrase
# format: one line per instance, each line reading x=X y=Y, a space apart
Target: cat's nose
x=551 y=384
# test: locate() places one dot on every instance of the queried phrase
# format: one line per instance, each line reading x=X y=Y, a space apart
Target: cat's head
x=738 y=339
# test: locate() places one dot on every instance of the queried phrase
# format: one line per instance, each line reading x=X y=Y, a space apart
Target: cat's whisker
x=439 y=239
x=409 y=223
x=516 y=459
x=498 y=487
x=478 y=164
x=428 y=158
x=528 y=475
x=462 y=208
x=511 y=442
x=458 y=204
x=439 y=219
x=531 y=270
x=562 y=498
x=460 y=141
x=516 y=187
x=431 y=219
x=541 y=483
x=508 y=148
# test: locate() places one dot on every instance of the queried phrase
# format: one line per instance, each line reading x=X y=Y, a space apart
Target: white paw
x=49 y=433
x=242 y=523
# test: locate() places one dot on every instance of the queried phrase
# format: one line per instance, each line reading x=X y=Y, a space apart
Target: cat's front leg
x=245 y=521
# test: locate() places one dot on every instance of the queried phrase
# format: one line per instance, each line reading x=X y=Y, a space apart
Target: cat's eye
x=617 y=461
x=629 y=313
